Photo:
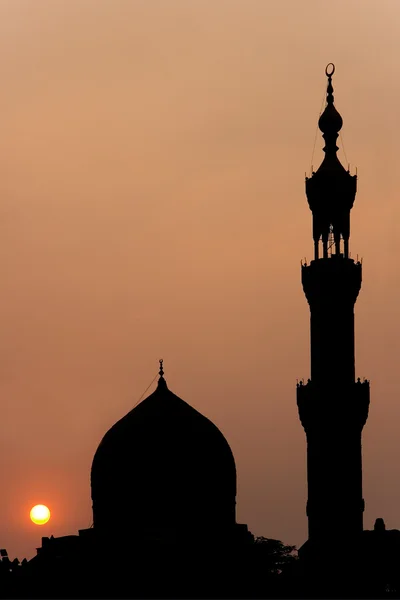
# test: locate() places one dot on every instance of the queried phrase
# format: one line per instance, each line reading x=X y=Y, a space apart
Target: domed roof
x=163 y=466
x=331 y=183
x=330 y=121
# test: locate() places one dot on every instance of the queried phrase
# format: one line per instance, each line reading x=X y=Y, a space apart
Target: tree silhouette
x=274 y=555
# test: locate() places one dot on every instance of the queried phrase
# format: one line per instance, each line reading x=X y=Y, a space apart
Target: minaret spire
x=333 y=407
x=330 y=122
x=331 y=190
x=329 y=71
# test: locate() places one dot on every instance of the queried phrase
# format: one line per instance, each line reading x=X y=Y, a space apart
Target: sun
x=39 y=514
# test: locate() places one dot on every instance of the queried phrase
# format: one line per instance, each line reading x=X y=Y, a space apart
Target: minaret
x=333 y=407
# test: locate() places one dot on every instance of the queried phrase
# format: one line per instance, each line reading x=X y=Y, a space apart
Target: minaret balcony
x=346 y=405
x=333 y=279
x=331 y=189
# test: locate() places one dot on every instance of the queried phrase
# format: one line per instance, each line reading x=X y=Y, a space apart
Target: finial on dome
x=162 y=384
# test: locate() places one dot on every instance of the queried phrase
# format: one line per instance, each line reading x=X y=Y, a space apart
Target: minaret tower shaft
x=333 y=407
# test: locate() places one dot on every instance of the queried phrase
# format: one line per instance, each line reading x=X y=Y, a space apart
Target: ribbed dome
x=163 y=467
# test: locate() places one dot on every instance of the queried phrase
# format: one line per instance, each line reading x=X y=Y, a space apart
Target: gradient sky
x=152 y=161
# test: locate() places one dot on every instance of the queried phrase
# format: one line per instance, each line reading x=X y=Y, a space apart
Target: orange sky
x=152 y=160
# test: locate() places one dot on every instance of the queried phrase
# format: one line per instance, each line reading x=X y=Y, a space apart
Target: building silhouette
x=171 y=474
x=333 y=406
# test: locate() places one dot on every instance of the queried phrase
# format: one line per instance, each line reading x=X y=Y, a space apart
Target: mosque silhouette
x=172 y=474
x=171 y=471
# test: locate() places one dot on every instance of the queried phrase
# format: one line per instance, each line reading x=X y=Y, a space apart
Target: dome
x=163 y=467
x=330 y=121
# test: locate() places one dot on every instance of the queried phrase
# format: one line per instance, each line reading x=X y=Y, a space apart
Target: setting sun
x=39 y=514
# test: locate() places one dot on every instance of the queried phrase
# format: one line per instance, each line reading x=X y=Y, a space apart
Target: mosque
x=172 y=475
x=171 y=472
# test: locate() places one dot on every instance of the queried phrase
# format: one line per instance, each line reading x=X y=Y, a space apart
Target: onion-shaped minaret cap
x=330 y=121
